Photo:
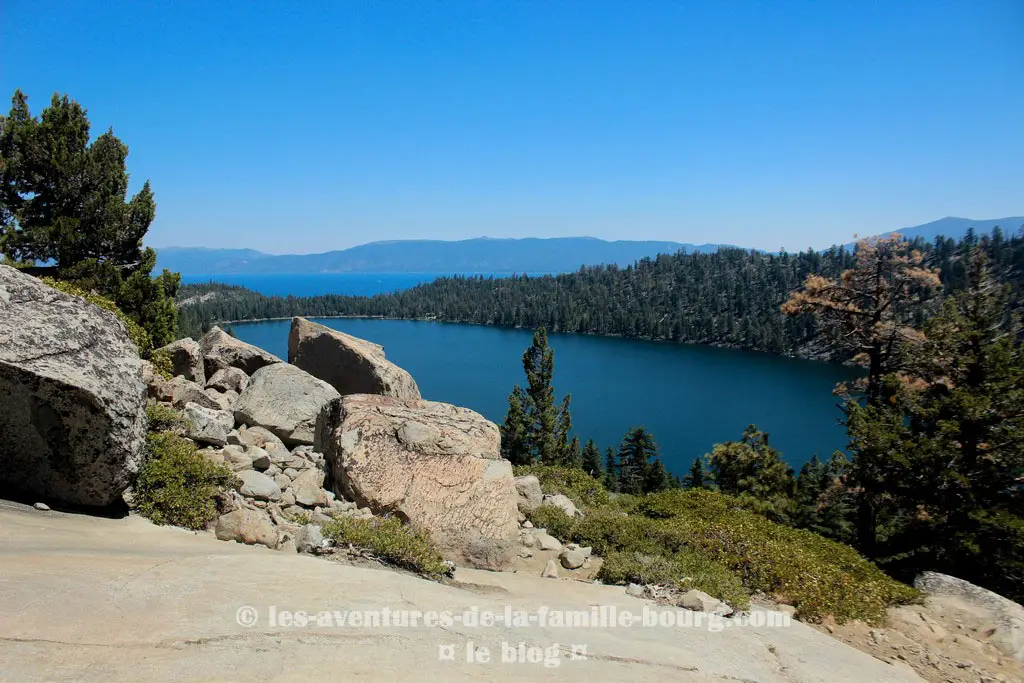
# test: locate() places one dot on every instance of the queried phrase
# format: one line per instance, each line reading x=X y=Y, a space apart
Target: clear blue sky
x=308 y=126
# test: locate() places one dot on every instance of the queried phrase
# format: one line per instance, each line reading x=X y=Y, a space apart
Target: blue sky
x=297 y=127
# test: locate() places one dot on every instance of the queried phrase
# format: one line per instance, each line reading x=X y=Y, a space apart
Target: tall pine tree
x=515 y=431
x=592 y=460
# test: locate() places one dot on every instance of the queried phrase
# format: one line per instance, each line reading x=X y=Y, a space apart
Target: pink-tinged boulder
x=432 y=464
x=349 y=364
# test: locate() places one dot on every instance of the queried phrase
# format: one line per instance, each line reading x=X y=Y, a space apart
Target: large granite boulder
x=186 y=359
x=285 y=400
x=434 y=465
x=221 y=350
x=72 y=399
x=349 y=364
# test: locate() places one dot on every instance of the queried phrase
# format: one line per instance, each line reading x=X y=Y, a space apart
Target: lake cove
x=689 y=397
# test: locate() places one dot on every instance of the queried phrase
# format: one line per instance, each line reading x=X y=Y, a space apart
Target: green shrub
x=163 y=418
x=162 y=363
x=820 y=577
x=552 y=518
x=390 y=540
x=684 y=569
x=139 y=336
x=580 y=487
x=177 y=485
x=302 y=517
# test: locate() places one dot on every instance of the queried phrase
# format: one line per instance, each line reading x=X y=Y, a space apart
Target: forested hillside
x=730 y=297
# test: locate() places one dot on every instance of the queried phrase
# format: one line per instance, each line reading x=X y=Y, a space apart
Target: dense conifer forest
x=728 y=298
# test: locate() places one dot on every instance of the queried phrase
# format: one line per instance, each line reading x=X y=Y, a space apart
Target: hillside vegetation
x=730 y=297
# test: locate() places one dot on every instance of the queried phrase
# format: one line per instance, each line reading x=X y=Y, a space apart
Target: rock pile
x=306 y=454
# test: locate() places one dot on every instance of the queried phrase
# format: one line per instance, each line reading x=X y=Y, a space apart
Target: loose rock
x=206 y=425
x=186 y=359
x=285 y=400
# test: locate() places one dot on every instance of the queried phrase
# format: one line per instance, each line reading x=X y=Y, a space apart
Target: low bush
x=177 y=485
x=580 y=487
x=552 y=518
x=684 y=570
x=820 y=577
x=163 y=365
x=139 y=336
x=391 y=541
x=163 y=418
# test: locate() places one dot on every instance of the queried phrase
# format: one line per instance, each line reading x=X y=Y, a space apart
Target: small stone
x=260 y=458
x=699 y=601
x=572 y=559
x=550 y=570
x=258 y=486
x=41 y=506
x=282 y=481
x=527 y=524
x=525 y=553
x=287 y=498
x=291 y=472
x=547 y=542
x=636 y=590
x=309 y=538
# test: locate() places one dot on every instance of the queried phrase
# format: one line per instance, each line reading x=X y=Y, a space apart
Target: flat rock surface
x=94 y=599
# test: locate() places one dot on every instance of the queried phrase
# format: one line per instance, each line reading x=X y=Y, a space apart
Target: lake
x=315 y=284
x=689 y=397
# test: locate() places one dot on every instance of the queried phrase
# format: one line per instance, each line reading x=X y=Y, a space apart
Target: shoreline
x=735 y=347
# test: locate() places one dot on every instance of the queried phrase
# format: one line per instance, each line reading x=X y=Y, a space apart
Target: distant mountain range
x=479 y=255
x=484 y=254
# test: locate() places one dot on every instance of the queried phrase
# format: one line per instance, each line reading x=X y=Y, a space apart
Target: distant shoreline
x=737 y=347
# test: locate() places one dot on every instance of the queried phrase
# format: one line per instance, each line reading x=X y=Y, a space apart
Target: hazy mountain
x=479 y=255
x=484 y=254
x=956 y=228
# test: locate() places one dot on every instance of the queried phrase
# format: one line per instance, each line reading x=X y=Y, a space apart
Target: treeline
x=730 y=298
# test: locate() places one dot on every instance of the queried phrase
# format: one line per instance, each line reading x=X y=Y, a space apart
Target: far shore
x=807 y=356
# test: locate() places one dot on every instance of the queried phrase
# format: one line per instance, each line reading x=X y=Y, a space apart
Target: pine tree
x=574 y=454
x=539 y=364
x=953 y=426
x=697 y=478
x=824 y=504
x=592 y=460
x=611 y=470
x=657 y=478
x=515 y=443
x=753 y=471
x=636 y=452
x=868 y=313
x=65 y=200
x=567 y=456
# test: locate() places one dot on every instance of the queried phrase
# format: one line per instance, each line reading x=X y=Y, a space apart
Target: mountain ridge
x=490 y=254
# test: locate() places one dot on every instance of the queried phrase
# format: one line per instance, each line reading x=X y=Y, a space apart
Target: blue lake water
x=689 y=397
x=314 y=284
